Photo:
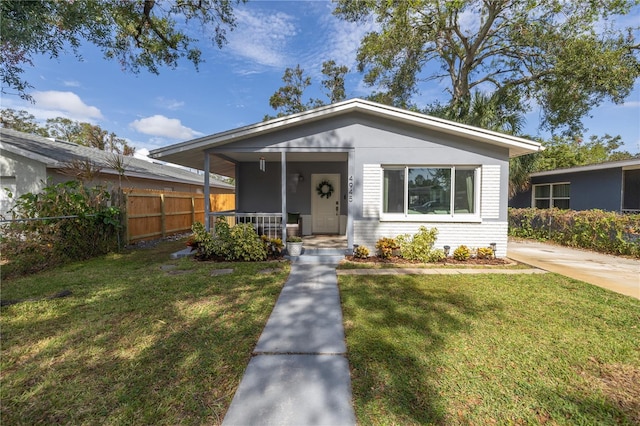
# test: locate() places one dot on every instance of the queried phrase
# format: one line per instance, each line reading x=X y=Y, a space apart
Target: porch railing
x=269 y=224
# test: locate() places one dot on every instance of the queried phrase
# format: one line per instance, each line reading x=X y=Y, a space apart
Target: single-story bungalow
x=612 y=186
x=364 y=170
x=28 y=161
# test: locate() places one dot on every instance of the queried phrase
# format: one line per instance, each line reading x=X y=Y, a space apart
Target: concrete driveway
x=619 y=274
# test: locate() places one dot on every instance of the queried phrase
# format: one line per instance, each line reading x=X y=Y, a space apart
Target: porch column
x=351 y=170
x=207 y=190
x=283 y=191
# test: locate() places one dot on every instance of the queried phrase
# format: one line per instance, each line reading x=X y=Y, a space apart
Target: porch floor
x=325 y=241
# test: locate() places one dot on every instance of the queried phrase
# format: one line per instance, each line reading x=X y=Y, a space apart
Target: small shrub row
x=419 y=247
x=233 y=243
x=606 y=232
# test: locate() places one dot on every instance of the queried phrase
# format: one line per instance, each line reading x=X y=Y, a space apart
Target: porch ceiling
x=224 y=164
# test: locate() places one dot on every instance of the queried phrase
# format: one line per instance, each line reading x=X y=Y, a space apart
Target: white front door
x=325 y=203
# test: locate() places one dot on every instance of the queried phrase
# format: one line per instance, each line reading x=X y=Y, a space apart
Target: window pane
x=393 y=195
x=464 y=196
x=542 y=191
x=561 y=190
x=561 y=204
x=542 y=204
x=429 y=190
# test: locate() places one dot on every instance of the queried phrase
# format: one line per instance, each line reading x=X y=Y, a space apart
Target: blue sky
x=233 y=86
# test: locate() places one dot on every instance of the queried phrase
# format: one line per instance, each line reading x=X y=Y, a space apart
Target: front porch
x=271 y=225
x=278 y=193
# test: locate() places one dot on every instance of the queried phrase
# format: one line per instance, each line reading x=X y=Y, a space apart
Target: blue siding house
x=612 y=186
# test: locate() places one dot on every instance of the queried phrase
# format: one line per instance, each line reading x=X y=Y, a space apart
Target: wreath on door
x=324 y=189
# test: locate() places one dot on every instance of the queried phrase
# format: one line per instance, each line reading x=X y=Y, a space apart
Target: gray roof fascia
x=136 y=166
x=622 y=164
x=48 y=161
x=518 y=145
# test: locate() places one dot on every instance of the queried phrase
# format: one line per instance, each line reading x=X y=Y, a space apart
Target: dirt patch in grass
x=619 y=383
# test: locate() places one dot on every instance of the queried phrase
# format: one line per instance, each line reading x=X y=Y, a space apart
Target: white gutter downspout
x=283 y=190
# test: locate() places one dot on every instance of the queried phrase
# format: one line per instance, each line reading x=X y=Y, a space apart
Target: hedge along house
x=364 y=170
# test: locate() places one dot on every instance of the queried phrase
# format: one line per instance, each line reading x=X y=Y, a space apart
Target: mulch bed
x=395 y=260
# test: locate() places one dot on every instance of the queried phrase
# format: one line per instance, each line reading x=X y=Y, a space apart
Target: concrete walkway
x=299 y=374
x=619 y=274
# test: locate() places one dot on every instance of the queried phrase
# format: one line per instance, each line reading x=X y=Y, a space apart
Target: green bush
x=418 y=246
x=32 y=245
x=386 y=246
x=230 y=243
x=361 y=252
x=484 y=253
x=606 y=232
x=437 y=255
x=274 y=246
x=462 y=253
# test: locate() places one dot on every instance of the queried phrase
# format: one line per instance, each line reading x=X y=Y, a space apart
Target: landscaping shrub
x=419 y=245
x=230 y=243
x=386 y=246
x=606 y=232
x=484 y=253
x=462 y=253
x=436 y=255
x=274 y=246
x=39 y=243
x=361 y=252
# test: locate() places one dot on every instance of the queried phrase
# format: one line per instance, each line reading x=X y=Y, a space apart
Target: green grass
x=491 y=349
x=134 y=343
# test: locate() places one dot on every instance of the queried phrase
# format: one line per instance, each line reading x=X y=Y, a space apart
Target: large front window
x=429 y=190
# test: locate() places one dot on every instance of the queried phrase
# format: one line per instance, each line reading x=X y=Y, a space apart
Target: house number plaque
x=351 y=189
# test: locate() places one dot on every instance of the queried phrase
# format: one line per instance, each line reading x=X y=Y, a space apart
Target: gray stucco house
x=612 y=186
x=365 y=170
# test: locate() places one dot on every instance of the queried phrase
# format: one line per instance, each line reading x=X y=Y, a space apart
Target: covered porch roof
x=191 y=153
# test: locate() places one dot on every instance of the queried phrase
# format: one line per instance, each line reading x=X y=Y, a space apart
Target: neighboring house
x=27 y=161
x=368 y=171
x=613 y=186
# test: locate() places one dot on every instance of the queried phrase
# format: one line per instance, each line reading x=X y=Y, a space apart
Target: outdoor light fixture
x=493 y=247
x=263 y=165
x=446 y=250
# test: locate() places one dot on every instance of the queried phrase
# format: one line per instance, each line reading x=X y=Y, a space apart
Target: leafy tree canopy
x=565 y=55
x=139 y=34
x=85 y=134
x=288 y=99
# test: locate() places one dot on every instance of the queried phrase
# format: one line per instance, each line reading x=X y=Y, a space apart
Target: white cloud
x=64 y=104
x=262 y=38
x=342 y=38
x=159 y=125
x=71 y=83
x=142 y=154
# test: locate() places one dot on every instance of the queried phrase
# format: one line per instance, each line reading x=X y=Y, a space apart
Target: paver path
x=299 y=374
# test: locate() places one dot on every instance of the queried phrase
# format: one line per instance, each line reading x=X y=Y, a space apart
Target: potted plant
x=294 y=246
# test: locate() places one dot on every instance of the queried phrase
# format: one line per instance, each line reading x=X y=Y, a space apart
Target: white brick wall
x=451 y=234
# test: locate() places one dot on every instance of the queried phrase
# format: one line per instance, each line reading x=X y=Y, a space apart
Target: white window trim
x=452 y=217
x=551 y=197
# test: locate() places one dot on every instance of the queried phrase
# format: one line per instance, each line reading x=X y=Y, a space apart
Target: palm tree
x=498 y=113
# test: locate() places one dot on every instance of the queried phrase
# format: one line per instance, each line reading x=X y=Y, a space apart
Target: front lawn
x=141 y=339
x=491 y=349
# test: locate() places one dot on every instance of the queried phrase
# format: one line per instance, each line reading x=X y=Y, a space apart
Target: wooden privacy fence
x=156 y=214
